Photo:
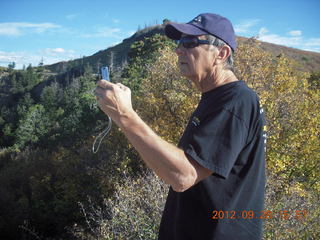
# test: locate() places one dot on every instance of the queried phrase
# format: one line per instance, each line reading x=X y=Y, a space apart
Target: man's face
x=196 y=63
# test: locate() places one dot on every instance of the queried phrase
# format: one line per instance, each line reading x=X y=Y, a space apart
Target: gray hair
x=217 y=42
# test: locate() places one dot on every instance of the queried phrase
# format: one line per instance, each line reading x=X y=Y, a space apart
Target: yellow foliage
x=166 y=101
x=292 y=114
x=292 y=110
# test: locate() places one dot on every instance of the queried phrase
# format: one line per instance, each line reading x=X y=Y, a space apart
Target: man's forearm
x=166 y=160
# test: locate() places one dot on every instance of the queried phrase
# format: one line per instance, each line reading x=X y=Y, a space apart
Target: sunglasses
x=191 y=42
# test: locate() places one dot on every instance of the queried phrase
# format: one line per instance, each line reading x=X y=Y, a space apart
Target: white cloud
x=49 y=56
x=8 y=30
x=71 y=16
x=114 y=20
x=21 y=28
x=104 y=32
x=108 y=32
x=296 y=40
x=8 y=57
x=20 y=58
x=265 y=36
x=293 y=38
x=56 y=52
x=295 y=33
x=246 y=25
x=263 y=31
x=313 y=42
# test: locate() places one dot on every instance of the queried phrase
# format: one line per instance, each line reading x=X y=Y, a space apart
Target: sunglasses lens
x=188 y=42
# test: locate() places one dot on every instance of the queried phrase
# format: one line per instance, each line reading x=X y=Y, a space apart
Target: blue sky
x=60 y=30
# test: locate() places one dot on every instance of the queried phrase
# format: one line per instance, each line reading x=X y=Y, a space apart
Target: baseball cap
x=205 y=23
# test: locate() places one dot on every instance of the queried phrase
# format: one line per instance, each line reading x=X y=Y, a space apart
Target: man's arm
x=168 y=161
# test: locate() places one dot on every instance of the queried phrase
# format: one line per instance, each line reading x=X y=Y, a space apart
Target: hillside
x=308 y=61
x=54 y=187
x=117 y=55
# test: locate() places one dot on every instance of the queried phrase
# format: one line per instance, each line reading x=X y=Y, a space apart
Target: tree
x=292 y=113
x=314 y=80
x=41 y=62
x=12 y=65
x=166 y=100
x=32 y=127
x=24 y=80
x=43 y=185
x=141 y=56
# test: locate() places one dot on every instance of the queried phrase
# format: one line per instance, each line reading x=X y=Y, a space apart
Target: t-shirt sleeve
x=216 y=141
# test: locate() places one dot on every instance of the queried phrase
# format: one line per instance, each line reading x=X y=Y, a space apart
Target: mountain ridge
x=116 y=56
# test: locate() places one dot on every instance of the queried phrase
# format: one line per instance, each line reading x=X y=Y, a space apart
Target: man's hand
x=167 y=161
x=114 y=100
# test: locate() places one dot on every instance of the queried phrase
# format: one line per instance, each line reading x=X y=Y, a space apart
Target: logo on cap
x=198 y=19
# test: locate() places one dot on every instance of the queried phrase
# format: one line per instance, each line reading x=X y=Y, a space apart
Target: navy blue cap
x=205 y=23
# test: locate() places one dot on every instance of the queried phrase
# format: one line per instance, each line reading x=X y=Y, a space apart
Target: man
x=217 y=172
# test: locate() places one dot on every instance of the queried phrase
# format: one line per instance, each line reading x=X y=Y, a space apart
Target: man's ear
x=224 y=53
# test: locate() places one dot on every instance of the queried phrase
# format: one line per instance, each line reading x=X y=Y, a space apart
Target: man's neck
x=218 y=79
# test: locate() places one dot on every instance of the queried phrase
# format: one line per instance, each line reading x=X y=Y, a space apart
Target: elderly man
x=217 y=172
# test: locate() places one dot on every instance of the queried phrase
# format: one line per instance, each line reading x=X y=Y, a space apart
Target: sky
x=50 y=31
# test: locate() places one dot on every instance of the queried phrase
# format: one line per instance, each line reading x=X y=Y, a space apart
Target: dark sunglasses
x=191 y=42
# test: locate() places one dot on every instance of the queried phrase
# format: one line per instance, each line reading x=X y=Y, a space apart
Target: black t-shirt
x=224 y=134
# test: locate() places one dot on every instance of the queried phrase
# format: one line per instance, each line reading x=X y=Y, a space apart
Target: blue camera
x=105 y=73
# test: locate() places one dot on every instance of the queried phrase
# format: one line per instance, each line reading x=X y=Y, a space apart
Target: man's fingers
x=105 y=84
x=123 y=87
x=108 y=85
x=106 y=90
x=102 y=88
x=120 y=85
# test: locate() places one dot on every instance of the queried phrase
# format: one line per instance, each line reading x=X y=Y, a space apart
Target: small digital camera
x=105 y=73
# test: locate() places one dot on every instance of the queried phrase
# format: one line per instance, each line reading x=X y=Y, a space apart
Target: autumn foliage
x=165 y=100
x=125 y=200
